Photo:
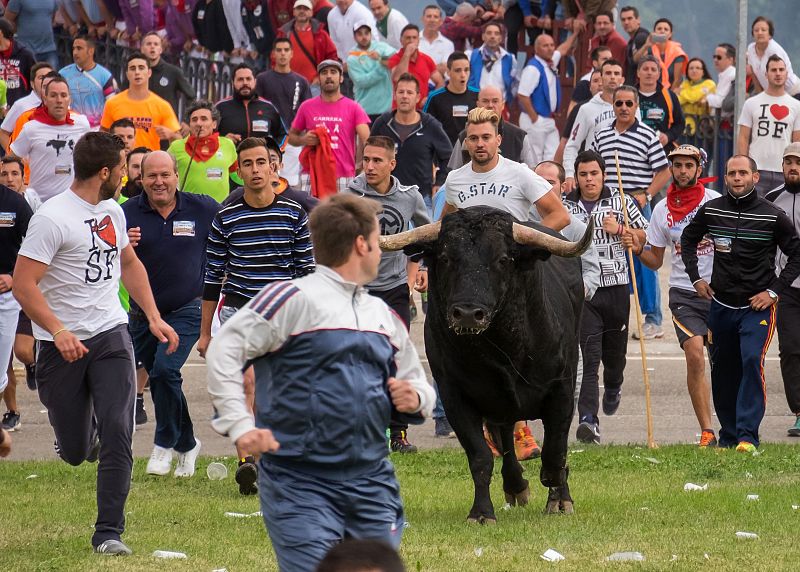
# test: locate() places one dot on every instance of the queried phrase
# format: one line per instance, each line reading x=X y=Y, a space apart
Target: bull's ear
x=526 y=256
x=419 y=250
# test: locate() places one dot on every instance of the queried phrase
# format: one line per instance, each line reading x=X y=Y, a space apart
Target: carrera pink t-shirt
x=341 y=119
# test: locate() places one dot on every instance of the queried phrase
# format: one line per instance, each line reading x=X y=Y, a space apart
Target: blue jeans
x=49 y=57
x=438 y=409
x=174 y=428
x=655 y=317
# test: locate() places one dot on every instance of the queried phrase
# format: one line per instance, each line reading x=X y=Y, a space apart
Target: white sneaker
x=160 y=462
x=649 y=332
x=186 y=461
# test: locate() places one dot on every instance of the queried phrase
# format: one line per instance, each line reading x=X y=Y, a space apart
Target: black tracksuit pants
x=789 y=345
x=604 y=338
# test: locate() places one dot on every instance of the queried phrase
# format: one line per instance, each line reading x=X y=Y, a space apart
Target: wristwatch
x=772 y=294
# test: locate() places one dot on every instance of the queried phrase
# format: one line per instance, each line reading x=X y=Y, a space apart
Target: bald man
x=539 y=95
x=168 y=230
x=515 y=145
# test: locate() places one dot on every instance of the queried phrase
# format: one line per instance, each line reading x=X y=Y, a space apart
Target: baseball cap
x=329 y=64
x=306 y=3
x=687 y=151
x=358 y=25
x=792 y=150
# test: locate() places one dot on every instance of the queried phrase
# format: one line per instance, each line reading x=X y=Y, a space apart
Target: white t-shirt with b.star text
x=510 y=186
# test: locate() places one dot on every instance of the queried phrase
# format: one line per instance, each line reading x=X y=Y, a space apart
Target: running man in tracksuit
x=403 y=208
x=745 y=229
x=330 y=362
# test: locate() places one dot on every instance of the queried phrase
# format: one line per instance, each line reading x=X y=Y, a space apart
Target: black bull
x=501 y=336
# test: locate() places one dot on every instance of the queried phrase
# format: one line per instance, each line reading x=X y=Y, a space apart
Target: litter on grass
x=242 y=515
x=169 y=554
x=795 y=506
x=694 y=487
x=751 y=535
x=478 y=551
x=752 y=497
x=505 y=507
x=626 y=557
x=551 y=555
x=29 y=477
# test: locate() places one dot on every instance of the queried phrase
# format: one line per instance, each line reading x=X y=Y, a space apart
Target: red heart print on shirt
x=105 y=230
x=778 y=111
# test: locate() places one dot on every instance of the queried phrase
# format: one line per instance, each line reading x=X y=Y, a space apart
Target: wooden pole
x=650 y=441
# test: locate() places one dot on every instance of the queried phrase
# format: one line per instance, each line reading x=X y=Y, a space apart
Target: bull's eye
x=444 y=259
x=505 y=259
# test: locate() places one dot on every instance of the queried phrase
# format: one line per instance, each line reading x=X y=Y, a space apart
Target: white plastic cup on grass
x=216 y=471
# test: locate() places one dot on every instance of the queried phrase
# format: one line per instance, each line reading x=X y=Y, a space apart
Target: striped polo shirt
x=249 y=248
x=640 y=155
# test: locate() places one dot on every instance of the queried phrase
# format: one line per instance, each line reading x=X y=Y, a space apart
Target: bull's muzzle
x=468 y=319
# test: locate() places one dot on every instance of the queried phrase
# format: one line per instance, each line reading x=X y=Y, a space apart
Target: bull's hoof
x=567 y=507
x=552 y=507
x=521 y=498
x=481 y=520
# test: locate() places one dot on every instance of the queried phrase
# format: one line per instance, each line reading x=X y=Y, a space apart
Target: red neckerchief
x=41 y=115
x=681 y=202
x=202 y=149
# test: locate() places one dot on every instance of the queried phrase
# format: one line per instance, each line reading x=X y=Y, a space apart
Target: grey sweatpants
x=94 y=393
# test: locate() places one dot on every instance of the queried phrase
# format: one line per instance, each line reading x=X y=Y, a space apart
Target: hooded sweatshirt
x=402 y=206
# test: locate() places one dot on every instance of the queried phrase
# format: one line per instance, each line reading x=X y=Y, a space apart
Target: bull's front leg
x=555 y=471
x=515 y=487
x=468 y=425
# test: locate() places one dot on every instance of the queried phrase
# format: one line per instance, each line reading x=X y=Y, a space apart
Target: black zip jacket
x=423 y=148
x=746 y=232
x=255 y=117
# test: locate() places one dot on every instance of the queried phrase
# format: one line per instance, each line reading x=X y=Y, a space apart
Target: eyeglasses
x=626 y=103
x=717 y=57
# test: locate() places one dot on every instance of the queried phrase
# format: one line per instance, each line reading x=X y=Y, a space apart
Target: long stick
x=650 y=441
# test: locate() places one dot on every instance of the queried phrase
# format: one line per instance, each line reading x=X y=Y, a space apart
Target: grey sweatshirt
x=403 y=208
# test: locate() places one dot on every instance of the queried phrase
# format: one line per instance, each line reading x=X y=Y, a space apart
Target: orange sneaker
x=745 y=447
x=525 y=445
x=490 y=442
x=708 y=439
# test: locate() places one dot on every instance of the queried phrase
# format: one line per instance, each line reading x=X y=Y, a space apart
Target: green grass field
x=623 y=502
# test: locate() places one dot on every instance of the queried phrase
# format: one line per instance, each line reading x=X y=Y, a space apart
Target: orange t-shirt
x=146 y=114
x=300 y=63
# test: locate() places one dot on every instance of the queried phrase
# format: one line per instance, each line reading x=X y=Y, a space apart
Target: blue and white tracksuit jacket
x=323 y=350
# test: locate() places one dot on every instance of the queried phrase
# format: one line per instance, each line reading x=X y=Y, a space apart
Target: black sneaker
x=443 y=428
x=611 y=401
x=11 y=421
x=30 y=375
x=399 y=443
x=113 y=548
x=247 y=476
x=141 y=414
x=91 y=456
x=588 y=432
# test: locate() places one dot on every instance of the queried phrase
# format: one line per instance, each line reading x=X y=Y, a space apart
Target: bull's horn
x=559 y=247
x=420 y=234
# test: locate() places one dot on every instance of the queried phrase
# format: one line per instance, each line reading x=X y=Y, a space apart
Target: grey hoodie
x=402 y=206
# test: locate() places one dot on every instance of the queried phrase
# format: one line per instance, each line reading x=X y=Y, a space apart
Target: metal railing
x=211 y=79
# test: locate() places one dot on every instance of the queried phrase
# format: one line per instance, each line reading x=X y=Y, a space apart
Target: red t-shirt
x=421 y=68
x=300 y=62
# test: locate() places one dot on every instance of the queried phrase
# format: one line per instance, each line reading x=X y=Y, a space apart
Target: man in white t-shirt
x=432 y=43
x=47 y=141
x=685 y=196
x=341 y=20
x=492 y=180
x=67 y=280
x=768 y=123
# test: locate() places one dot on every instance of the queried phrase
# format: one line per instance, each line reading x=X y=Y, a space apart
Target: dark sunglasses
x=626 y=103
x=716 y=57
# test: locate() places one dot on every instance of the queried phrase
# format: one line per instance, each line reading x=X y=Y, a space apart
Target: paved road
x=674 y=420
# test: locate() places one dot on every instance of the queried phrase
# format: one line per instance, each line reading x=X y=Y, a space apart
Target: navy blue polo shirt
x=173 y=250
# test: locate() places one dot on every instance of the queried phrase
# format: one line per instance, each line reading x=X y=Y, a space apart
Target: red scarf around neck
x=681 y=202
x=203 y=148
x=41 y=115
